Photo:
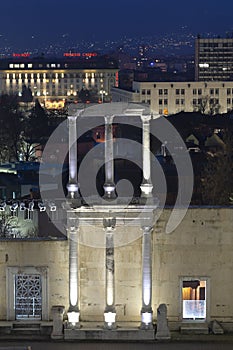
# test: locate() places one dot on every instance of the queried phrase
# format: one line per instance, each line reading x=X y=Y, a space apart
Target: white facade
x=174 y=97
x=53 y=83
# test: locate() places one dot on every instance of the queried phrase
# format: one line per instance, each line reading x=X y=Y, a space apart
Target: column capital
x=72 y=119
x=109 y=223
x=146 y=118
x=108 y=119
x=72 y=221
x=73 y=111
x=147 y=229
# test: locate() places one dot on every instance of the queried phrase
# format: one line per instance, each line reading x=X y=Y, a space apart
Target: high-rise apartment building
x=214 y=59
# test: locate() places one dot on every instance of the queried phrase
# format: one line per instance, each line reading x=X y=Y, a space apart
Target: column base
x=109 y=191
x=146 y=320
x=110 y=320
x=73 y=319
x=146 y=188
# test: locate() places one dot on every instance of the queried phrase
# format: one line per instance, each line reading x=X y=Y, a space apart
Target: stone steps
x=194 y=328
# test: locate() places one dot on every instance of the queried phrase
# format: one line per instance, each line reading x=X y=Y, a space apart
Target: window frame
x=193 y=278
x=10 y=288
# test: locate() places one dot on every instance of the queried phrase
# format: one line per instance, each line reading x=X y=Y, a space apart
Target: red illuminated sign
x=24 y=54
x=117 y=80
x=79 y=54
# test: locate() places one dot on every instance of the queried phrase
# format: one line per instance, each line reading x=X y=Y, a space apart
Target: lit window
x=29 y=65
x=204 y=65
x=194 y=299
x=11 y=65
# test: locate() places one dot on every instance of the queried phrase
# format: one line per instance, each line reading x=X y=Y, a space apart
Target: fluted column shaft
x=109 y=185
x=146 y=186
x=146 y=310
x=73 y=312
x=110 y=267
x=72 y=185
x=109 y=312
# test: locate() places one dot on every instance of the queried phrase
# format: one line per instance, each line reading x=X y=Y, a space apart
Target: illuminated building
x=210 y=97
x=54 y=81
x=214 y=59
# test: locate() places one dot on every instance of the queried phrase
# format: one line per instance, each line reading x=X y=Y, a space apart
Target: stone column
x=146 y=186
x=57 y=314
x=109 y=185
x=73 y=311
x=109 y=312
x=146 y=311
x=72 y=185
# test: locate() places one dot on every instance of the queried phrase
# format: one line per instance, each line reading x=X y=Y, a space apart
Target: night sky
x=35 y=22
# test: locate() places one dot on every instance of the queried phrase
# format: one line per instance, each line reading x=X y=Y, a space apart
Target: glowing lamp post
x=103 y=93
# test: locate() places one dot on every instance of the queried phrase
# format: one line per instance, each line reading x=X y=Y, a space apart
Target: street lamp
x=103 y=93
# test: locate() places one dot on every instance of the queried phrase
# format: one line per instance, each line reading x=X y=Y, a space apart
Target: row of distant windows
x=58 y=75
x=195 y=101
x=30 y=65
x=51 y=82
x=164 y=102
x=47 y=91
x=48 y=85
x=211 y=101
x=208 y=44
x=162 y=92
x=54 y=81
